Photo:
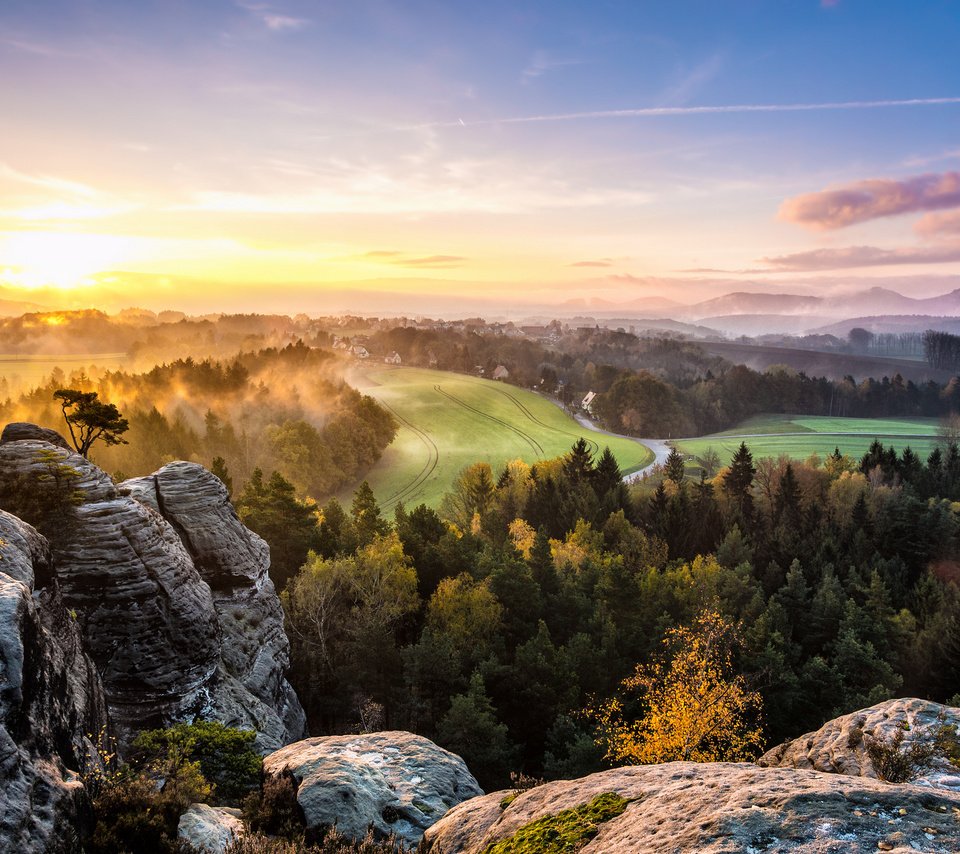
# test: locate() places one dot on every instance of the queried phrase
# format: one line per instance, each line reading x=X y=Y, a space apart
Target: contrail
x=654 y=112
x=651 y=112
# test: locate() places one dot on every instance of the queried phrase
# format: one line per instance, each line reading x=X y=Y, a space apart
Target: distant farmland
x=800 y=436
x=817 y=364
x=22 y=372
x=449 y=421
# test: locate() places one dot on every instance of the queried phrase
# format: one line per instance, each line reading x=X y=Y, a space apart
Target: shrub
x=225 y=755
x=135 y=813
x=274 y=809
x=895 y=763
x=332 y=843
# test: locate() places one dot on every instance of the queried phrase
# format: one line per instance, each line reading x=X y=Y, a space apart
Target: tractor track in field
x=534 y=444
x=595 y=447
x=433 y=459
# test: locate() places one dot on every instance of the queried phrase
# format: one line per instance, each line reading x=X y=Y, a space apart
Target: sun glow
x=60 y=260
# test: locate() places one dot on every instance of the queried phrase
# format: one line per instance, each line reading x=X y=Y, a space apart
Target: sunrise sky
x=239 y=154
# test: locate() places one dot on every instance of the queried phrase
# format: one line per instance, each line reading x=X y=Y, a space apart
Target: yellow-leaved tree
x=692 y=704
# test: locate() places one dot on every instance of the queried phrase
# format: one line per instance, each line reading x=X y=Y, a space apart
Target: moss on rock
x=567 y=831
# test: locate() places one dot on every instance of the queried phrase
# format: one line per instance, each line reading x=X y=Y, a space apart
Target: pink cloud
x=936 y=224
x=860 y=256
x=848 y=204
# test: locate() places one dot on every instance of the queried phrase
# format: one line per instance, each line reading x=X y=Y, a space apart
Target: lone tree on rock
x=89 y=419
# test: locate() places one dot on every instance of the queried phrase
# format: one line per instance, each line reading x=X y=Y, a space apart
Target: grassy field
x=802 y=435
x=448 y=421
x=23 y=372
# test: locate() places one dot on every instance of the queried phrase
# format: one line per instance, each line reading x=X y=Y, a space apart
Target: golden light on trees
x=694 y=706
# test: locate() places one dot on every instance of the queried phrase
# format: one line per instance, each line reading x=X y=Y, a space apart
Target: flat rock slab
x=395 y=782
x=720 y=807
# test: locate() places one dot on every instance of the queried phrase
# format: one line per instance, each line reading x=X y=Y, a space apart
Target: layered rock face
x=395 y=782
x=50 y=699
x=168 y=647
x=840 y=746
x=234 y=561
x=711 y=808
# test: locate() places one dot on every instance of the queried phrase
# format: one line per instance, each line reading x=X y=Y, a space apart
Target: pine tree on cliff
x=89 y=419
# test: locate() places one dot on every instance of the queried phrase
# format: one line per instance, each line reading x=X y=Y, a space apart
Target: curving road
x=659 y=448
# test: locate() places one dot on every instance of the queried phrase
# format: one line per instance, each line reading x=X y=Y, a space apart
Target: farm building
x=393 y=359
x=587 y=401
x=500 y=373
x=360 y=351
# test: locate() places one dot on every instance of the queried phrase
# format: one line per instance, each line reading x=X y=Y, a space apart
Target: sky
x=295 y=154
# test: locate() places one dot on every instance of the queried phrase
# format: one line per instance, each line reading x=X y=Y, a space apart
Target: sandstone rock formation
x=234 y=561
x=840 y=745
x=19 y=430
x=396 y=782
x=50 y=699
x=711 y=808
x=210 y=829
x=168 y=647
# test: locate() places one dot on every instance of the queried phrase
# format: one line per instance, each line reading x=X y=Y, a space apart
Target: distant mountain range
x=870 y=302
x=754 y=313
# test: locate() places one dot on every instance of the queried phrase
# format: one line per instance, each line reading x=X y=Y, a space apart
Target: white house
x=587 y=401
x=360 y=351
x=393 y=358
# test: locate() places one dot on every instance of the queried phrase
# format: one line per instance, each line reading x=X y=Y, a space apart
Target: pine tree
x=739 y=479
x=674 y=466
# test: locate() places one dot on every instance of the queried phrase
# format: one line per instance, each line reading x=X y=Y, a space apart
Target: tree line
x=497 y=625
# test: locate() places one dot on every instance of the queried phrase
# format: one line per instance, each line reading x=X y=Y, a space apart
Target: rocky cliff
x=170 y=591
x=842 y=746
x=51 y=700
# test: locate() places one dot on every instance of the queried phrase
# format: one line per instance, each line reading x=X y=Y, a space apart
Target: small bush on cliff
x=137 y=811
x=225 y=755
x=274 y=809
x=332 y=843
x=895 y=763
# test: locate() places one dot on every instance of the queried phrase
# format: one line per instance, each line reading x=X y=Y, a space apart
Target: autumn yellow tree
x=694 y=706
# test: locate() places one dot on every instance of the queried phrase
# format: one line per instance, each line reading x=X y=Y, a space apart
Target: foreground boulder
x=210 y=830
x=842 y=746
x=395 y=782
x=168 y=646
x=50 y=699
x=707 y=808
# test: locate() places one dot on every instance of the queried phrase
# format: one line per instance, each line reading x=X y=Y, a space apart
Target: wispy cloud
x=272 y=19
x=431 y=261
x=860 y=256
x=861 y=201
x=690 y=81
x=602 y=262
x=542 y=62
x=47 y=182
x=938 y=224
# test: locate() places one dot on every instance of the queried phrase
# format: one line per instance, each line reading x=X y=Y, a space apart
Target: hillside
x=442 y=417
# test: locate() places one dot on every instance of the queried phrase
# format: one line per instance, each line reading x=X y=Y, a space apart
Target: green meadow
x=449 y=421
x=802 y=435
